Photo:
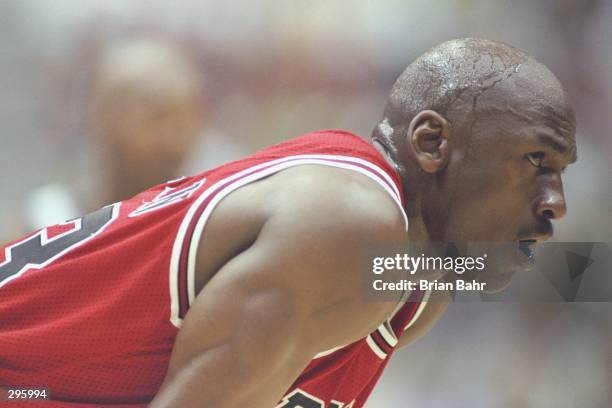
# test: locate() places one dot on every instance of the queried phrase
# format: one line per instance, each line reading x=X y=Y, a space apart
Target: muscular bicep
x=253 y=329
x=240 y=342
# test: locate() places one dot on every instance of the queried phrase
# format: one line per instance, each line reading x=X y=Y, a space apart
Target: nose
x=551 y=205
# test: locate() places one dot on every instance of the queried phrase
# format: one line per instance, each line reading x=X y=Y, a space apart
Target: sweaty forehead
x=533 y=97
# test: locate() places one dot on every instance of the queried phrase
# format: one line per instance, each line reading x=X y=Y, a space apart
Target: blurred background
x=101 y=100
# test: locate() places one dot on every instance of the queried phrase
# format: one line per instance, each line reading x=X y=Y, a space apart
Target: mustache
x=541 y=230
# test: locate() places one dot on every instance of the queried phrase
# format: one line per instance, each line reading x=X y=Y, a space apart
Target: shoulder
x=299 y=207
x=312 y=196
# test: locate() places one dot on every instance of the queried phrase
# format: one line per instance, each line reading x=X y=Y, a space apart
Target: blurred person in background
x=146 y=114
x=149 y=119
x=145 y=117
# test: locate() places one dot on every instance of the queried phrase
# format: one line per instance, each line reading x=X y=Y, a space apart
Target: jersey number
x=39 y=251
x=301 y=399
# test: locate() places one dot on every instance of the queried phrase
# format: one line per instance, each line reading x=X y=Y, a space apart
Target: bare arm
x=294 y=292
x=432 y=312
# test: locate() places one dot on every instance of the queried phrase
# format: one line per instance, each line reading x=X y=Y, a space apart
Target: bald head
x=461 y=78
x=480 y=133
x=146 y=67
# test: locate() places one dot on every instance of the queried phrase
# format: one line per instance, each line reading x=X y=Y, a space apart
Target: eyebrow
x=557 y=145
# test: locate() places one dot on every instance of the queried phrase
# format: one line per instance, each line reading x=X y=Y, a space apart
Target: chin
x=497 y=283
x=504 y=262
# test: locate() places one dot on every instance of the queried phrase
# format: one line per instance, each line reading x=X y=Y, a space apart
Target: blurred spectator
x=146 y=114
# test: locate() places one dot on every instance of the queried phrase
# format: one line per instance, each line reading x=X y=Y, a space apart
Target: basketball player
x=239 y=287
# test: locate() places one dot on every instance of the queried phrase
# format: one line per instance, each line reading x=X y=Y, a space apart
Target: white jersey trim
x=375 y=348
x=385 y=331
x=328 y=352
x=419 y=310
x=387 y=334
x=240 y=179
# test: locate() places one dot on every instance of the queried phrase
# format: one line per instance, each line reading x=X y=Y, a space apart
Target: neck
x=417 y=230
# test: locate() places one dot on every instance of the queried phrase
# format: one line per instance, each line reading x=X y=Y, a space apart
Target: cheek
x=494 y=179
x=487 y=204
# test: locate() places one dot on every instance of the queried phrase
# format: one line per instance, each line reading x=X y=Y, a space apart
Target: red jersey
x=89 y=309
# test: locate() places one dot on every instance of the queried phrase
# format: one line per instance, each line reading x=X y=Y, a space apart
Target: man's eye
x=535 y=158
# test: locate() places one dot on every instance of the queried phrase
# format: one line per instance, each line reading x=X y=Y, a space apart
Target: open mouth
x=526 y=247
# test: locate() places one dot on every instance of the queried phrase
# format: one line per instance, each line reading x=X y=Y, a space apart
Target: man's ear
x=427 y=138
